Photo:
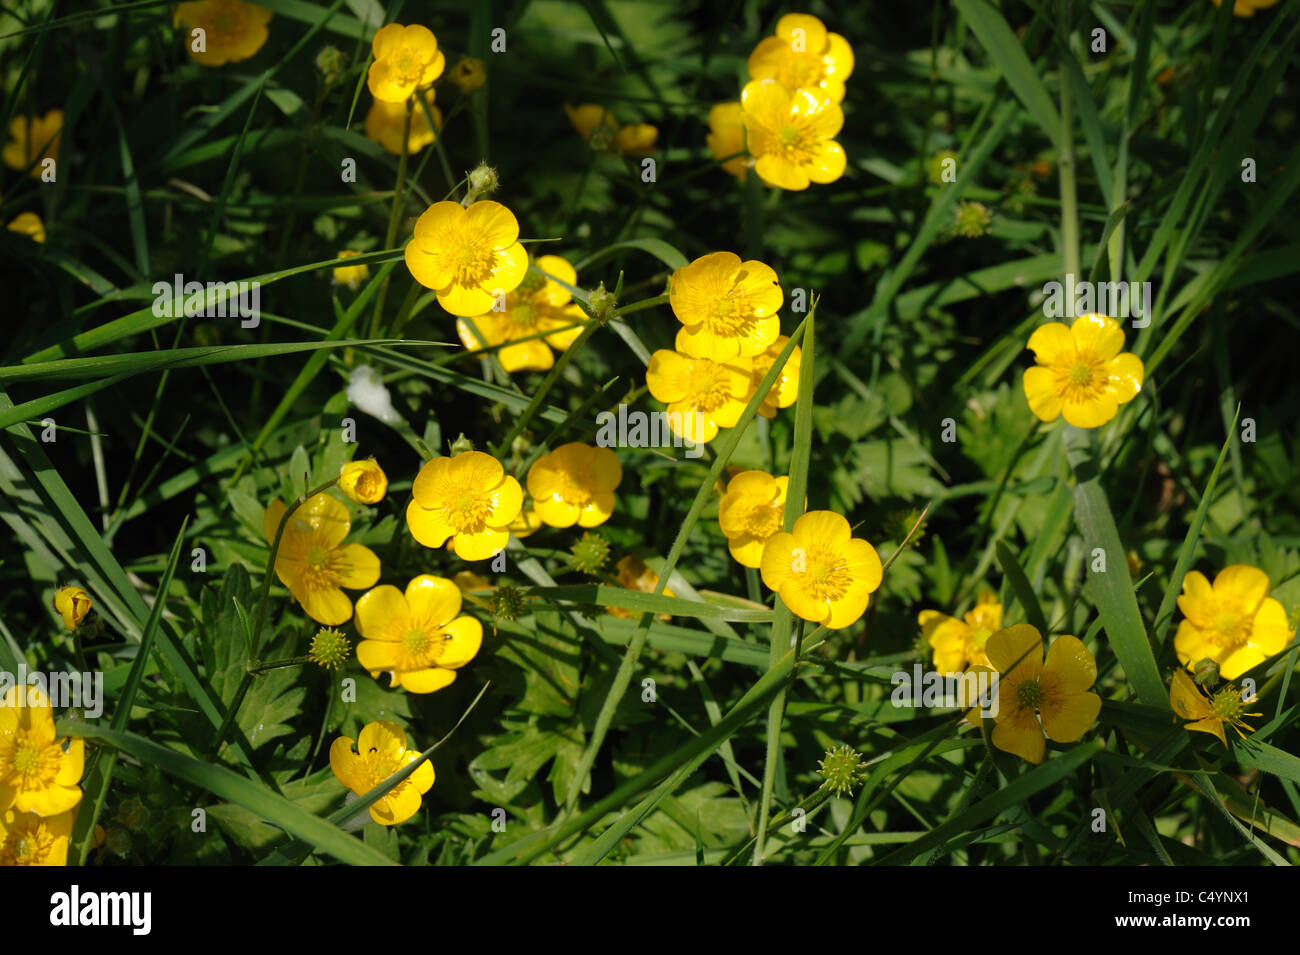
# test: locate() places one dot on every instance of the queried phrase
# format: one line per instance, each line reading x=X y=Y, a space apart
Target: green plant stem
x=775 y=715
x=390 y=236
x=1069 y=197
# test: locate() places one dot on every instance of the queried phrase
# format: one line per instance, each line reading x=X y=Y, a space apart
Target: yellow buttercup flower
x=469 y=74
x=406 y=59
x=634 y=574
x=1080 y=372
x=727 y=307
x=1247 y=8
x=363 y=481
x=960 y=643
x=751 y=512
x=417 y=637
x=598 y=127
x=468 y=256
x=350 y=275
x=822 y=572
x=29 y=839
x=385 y=123
x=32 y=139
x=1037 y=697
x=72 y=604
x=29 y=224
x=36 y=773
x=1225 y=707
x=804 y=54
x=468 y=498
x=727 y=138
x=539 y=305
x=1233 y=622
x=702 y=394
x=785 y=389
x=574 y=484
x=232 y=30
x=314 y=563
x=380 y=752
x=791 y=133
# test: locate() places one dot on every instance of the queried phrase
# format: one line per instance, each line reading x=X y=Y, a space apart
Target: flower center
x=1029 y=694
x=827 y=577
x=572 y=490
x=1079 y=373
x=764 y=521
x=471 y=260
x=524 y=316
x=466 y=510
x=318 y=558
x=1081 y=378
x=707 y=385
x=1227 y=704
x=31 y=764
x=28 y=846
x=1231 y=628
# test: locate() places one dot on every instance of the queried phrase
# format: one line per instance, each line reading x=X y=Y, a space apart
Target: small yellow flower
x=602 y=131
x=751 y=512
x=469 y=74
x=634 y=574
x=417 y=637
x=822 y=572
x=1037 y=697
x=1080 y=372
x=785 y=389
x=526 y=523
x=1235 y=622
x=36 y=773
x=232 y=30
x=468 y=498
x=574 y=484
x=314 y=563
x=702 y=394
x=727 y=138
x=350 y=275
x=28 y=223
x=31 y=139
x=727 y=307
x=385 y=123
x=539 y=305
x=791 y=135
x=72 y=604
x=960 y=643
x=406 y=59
x=381 y=751
x=468 y=256
x=803 y=53
x=29 y=839
x=1247 y=8
x=1226 y=707
x=363 y=481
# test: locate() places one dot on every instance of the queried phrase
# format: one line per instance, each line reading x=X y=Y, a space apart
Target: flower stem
x=391 y=235
x=775 y=715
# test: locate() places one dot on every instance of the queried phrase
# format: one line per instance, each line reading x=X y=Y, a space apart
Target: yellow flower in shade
x=1247 y=8
x=727 y=138
x=786 y=387
x=406 y=59
x=36 y=773
x=469 y=74
x=468 y=256
x=468 y=498
x=804 y=54
x=751 y=512
x=1226 y=707
x=702 y=394
x=1037 y=697
x=574 y=484
x=29 y=839
x=727 y=307
x=29 y=224
x=232 y=31
x=416 y=637
x=822 y=572
x=72 y=604
x=634 y=574
x=539 y=306
x=314 y=563
x=363 y=481
x=350 y=275
x=960 y=643
x=1080 y=372
x=1233 y=622
x=386 y=122
x=526 y=523
x=381 y=751
x=601 y=130
x=32 y=139
x=791 y=135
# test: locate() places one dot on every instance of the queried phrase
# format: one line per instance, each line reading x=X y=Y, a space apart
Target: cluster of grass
x=173 y=434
